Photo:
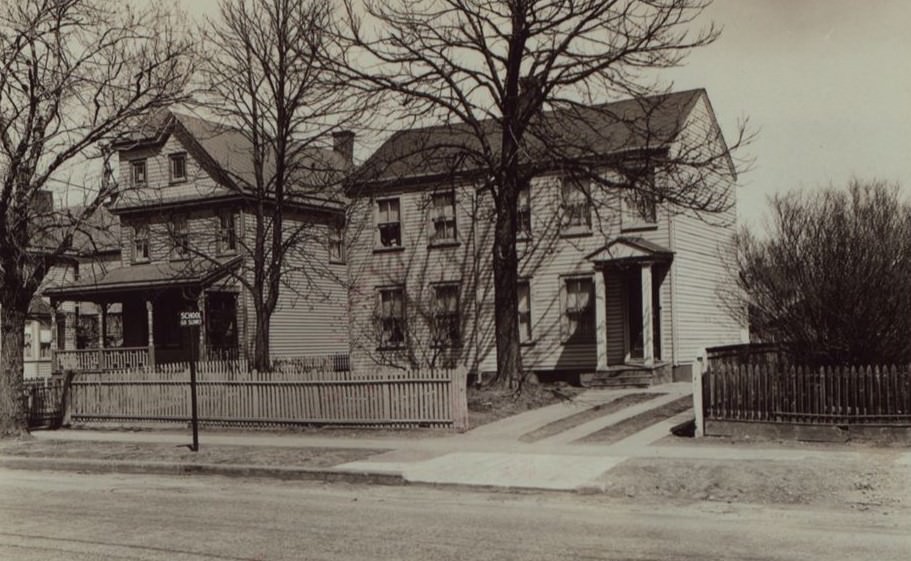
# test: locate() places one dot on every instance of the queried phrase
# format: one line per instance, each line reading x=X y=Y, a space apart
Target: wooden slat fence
x=228 y=393
x=776 y=393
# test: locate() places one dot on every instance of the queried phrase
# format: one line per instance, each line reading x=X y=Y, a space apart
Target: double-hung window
x=141 y=242
x=388 y=223
x=336 y=243
x=638 y=209
x=390 y=317
x=227 y=236
x=576 y=203
x=579 y=310
x=178 y=166
x=523 y=289
x=446 y=324
x=523 y=214
x=138 y=175
x=443 y=220
x=180 y=237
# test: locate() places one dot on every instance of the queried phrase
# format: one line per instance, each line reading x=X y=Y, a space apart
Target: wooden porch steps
x=627 y=376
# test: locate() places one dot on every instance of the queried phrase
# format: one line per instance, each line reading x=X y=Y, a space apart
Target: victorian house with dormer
x=186 y=231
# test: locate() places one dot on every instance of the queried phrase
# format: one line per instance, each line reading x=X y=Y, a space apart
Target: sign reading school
x=190 y=318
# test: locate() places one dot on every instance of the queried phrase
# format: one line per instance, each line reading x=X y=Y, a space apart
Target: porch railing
x=114 y=358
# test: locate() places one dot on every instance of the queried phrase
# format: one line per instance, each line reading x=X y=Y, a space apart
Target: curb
x=328 y=475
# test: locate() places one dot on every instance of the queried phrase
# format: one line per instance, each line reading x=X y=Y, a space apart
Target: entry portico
x=641 y=267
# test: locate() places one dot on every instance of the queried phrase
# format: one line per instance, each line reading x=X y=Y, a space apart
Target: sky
x=825 y=85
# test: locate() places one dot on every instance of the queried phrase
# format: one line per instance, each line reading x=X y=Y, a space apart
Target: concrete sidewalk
x=492 y=455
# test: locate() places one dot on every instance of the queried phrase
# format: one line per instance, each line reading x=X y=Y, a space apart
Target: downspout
x=673 y=292
x=477 y=291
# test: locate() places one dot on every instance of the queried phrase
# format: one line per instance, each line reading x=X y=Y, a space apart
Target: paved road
x=51 y=516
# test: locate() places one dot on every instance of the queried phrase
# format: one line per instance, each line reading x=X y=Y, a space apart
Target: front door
x=634 y=316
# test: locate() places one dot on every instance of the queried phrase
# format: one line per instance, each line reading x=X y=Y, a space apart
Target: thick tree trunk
x=13 y=416
x=505 y=273
x=261 y=359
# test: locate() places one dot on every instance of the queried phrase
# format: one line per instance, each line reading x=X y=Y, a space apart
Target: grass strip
x=636 y=423
x=590 y=414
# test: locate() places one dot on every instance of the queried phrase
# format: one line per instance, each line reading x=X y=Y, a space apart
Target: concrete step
x=631 y=378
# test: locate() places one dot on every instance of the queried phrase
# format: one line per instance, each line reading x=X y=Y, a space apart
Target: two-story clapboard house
x=611 y=281
x=187 y=228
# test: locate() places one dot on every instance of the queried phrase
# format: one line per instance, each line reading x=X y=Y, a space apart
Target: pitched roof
x=578 y=132
x=227 y=152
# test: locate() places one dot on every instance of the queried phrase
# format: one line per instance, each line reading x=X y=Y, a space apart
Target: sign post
x=191 y=321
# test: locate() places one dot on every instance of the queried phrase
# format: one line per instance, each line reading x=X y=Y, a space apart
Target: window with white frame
x=178 y=165
x=180 y=237
x=388 y=223
x=446 y=321
x=227 y=236
x=576 y=203
x=579 y=310
x=638 y=209
x=443 y=219
x=336 y=243
x=138 y=172
x=523 y=213
x=390 y=317
x=141 y=242
x=523 y=290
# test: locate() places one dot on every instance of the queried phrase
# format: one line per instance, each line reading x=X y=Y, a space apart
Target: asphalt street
x=51 y=516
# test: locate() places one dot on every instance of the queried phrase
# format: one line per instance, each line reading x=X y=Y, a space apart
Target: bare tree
x=268 y=79
x=73 y=73
x=828 y=276
x=523 y=84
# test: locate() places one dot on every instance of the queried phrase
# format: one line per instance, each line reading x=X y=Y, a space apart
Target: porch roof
x=630 y=249
x=147 y=276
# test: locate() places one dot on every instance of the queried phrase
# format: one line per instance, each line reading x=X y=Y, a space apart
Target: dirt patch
x=486 y=405
x=596 y=412
x=628 y=427
x=856 y=485
x=271 y=456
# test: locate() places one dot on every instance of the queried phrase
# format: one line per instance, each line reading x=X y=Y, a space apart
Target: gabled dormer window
x=141 y=242
x=138 y=172
x=178 y=166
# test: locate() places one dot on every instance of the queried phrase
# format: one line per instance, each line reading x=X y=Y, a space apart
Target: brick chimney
x=343 y=144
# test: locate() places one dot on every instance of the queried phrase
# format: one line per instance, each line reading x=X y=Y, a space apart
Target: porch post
x=150 y=308
x=648 y=345
x=601 y=318
x=201 y=307
x=102 y=330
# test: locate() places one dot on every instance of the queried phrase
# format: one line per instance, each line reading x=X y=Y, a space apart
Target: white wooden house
x=186 y=237
x=610 y=284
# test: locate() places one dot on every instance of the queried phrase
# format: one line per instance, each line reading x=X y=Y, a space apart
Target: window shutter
x=564 y=321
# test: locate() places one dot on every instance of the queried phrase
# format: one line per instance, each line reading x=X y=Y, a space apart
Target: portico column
x=648 y=345
x=601 y=319
x=102 y=324
x=150 y=308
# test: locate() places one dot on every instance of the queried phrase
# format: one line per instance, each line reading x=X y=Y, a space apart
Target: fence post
x=699 y=366
x=458 y=395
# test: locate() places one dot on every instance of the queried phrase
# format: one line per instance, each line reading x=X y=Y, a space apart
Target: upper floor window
x=180 y=237
x=141 y=242
x=523 y=214
x=445 y=321
x=576 y=203
x=178 y=164
x=138 y=172
x=388 y=223
x=638 y=209
x=227 y=238
x=523 y=290
x=336 y=243
x=443 y=218
x=390 y=317
x=578 y=310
